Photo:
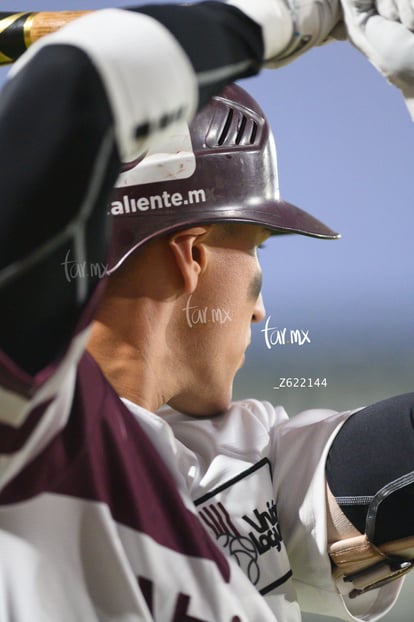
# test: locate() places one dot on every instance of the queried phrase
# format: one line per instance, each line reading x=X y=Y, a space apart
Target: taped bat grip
x=14 y=35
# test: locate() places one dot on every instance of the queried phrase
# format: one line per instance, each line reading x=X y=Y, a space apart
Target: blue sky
x=345 y=148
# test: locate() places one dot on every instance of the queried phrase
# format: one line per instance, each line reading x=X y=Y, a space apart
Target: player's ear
x=189 y=253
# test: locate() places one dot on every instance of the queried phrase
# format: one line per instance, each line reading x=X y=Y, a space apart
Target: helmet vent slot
x=226 y=127
x=238 y=129
x=253 y=134
x=241 y=129
x=233 y=127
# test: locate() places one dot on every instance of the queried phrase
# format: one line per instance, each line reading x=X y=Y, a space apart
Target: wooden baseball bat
x=19 y=30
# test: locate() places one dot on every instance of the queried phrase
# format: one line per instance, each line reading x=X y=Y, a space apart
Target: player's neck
x=135 y=365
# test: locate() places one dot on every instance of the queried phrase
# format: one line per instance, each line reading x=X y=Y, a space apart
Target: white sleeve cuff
x=149 y=80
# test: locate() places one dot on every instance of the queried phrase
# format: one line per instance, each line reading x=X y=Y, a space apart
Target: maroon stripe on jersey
x=13 y=378
x=12 y=439
x=103 y=455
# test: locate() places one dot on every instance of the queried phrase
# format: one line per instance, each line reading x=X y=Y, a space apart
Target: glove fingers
x=388 y=9
x=406 y=13
x=387 y=43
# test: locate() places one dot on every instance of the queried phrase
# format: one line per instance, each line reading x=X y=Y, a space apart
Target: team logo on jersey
x=250 y=536
x=246 y=549
x=266 y=530
x=240 y=547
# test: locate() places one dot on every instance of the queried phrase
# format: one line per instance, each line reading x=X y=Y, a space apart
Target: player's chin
x=222 y=400
x=205 y=404
x=214 y=408
x=215 y=404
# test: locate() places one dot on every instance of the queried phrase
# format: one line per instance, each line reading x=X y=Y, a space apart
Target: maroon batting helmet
x=221 y=169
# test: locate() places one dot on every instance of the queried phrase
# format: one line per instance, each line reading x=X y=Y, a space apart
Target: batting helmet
x=222 y=168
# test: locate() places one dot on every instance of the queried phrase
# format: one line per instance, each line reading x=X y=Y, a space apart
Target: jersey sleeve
x=100 y=91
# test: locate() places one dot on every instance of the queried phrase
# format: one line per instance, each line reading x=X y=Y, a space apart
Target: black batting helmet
x=222 y=168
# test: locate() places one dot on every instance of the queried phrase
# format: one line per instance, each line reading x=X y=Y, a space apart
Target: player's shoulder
x=246 y=425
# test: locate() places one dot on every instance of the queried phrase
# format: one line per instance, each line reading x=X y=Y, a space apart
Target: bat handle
x=19 y=30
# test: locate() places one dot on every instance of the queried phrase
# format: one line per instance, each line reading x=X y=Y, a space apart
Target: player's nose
x=259 y=311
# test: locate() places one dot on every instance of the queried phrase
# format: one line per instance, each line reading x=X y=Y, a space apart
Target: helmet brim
x=278 y=216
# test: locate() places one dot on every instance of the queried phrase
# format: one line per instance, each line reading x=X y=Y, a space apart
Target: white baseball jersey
x=257 y=480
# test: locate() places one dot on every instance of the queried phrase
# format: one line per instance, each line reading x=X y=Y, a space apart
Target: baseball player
x=294 y=503
x=94 y=525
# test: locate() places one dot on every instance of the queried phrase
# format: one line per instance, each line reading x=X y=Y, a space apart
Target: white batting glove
x=397 y=11
x=381 y=31
x=290 y=27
